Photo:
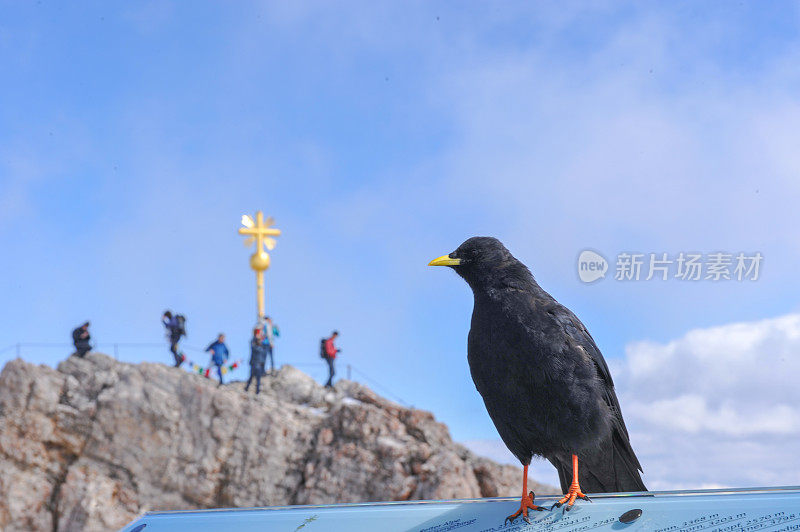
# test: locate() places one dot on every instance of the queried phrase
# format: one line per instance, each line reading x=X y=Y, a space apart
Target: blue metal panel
x=758 y=509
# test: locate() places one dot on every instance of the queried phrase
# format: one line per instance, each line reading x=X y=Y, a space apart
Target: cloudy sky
x=381 y=135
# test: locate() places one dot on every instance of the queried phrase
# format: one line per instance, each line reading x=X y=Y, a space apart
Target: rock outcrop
x=95 y=443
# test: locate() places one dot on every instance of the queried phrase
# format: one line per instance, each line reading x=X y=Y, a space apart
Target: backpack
x=322 y=352
x=180 y=325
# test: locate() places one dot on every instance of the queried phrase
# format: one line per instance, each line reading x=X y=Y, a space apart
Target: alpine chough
x=542 y=378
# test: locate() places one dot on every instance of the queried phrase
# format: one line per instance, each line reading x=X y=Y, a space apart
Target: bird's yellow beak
x=444 y=260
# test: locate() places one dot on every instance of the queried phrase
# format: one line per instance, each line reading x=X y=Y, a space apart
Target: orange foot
x=573 y=493
x=525 y=504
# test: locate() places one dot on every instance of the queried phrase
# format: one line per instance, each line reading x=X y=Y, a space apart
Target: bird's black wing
x=612 y=466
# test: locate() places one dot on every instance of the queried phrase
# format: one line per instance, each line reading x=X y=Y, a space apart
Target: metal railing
x=135 y=352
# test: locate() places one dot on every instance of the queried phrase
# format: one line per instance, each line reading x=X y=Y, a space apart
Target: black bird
x=542 y=378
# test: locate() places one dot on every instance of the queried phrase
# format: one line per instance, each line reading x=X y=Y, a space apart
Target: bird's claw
x=533 y=506
x=569 y=506
x=525 y=504
x=510 y=520
x=569 y=498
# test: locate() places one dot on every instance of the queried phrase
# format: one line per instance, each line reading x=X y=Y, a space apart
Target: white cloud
x=718 y=406
x=728 y=380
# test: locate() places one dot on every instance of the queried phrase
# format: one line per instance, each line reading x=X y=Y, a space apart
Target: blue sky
x=381 y=135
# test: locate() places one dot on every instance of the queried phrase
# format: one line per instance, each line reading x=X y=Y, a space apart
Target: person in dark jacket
x=176 y=328
x=258 y=359
x=330 y=351
x=81 y=337
x=219 y=354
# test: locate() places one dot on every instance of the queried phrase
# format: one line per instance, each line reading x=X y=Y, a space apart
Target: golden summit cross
x=261 y=232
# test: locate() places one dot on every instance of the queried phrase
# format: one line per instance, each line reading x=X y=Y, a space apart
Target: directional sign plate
x=758 y=509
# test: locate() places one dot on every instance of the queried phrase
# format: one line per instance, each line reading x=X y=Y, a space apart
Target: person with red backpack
x=328 y=352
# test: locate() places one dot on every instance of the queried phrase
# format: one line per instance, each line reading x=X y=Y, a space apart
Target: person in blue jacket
x=258 y=355
x=219 y=354
x=270 y=331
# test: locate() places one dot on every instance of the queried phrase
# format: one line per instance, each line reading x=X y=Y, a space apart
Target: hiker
x=270 y=332
x=81 y=337
x=176 y=328
x=257 y=359
x=219 y=354
x=328 y=353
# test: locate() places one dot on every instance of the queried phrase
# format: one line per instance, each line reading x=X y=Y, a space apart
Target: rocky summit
x=97 y=442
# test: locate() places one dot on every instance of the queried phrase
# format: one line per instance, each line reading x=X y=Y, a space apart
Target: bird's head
x=484 y=262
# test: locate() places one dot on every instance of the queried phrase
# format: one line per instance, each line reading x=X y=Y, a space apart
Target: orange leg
x=527 y=500
x=574 y=488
